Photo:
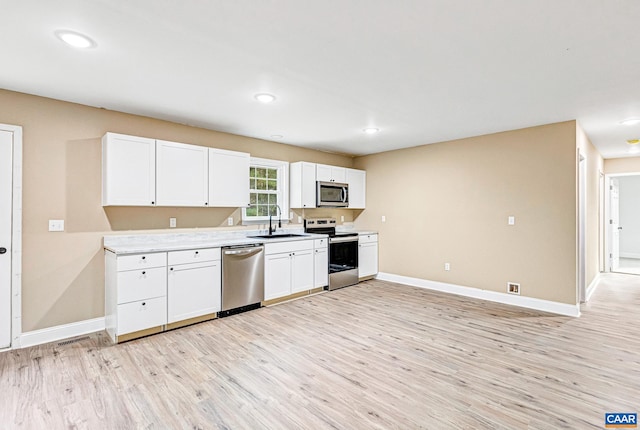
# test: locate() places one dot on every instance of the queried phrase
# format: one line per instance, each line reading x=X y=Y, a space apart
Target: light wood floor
x=373 y=356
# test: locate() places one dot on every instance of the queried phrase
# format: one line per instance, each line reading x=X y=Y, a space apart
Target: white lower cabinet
x=321 y=263
x=193 y=288
x=135 y=292
x=288 y=268
x=367 y=255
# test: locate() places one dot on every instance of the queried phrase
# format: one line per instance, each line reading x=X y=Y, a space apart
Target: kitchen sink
x=277 y=236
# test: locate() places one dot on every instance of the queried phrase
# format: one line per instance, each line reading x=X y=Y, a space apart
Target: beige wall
x=63 y=273
x=622 y=165
x=449 y=202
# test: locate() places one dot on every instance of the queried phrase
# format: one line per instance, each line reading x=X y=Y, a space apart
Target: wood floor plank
x=377 y=356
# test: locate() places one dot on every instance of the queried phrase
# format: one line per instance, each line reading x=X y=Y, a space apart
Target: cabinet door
x=228 y=178
x=357 y=180
x=182 y=174
x=277 y=275
x=302 y=185
x=328 y=173
x=302 y=275
x=128 y=170
x=321 y=268
x=367 y=259
x=193 y=290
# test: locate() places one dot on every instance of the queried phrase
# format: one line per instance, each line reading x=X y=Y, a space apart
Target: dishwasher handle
x=244 y=252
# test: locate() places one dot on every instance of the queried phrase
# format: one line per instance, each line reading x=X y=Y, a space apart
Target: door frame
x=608 y=242
x=582 y=227
x=16 y=236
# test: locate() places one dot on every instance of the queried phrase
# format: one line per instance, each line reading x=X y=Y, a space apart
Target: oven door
x=332 y=194
x=343 y=262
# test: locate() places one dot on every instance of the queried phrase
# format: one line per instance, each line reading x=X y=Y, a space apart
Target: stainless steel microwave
x=332 y=195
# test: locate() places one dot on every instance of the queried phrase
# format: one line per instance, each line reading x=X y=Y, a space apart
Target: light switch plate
x=384 y=218
x=299 y=220
x=172 y=222
x=56 y=225
x=230 y=220
x=341 y=218
x=512 y=220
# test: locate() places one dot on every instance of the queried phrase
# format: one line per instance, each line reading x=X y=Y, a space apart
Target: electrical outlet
x=230 y=220
x=56 y=225
x=511 y=220
x=447 y=266
x=172 y=223
x=513 y=288
x=384 y=218
x=341 y=218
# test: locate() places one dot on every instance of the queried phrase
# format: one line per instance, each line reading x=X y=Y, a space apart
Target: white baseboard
x=592 y=288
x=629 y=255
x=492 y=296
x=65 y=331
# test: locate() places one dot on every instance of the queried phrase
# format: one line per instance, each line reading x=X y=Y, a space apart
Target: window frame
x=283 y=189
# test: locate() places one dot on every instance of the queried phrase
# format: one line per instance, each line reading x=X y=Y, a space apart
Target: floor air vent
x=70 y=341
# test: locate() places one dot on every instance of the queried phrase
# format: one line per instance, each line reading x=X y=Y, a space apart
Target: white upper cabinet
x=326 y=173
x=302 y=185
x=182 y=174
x=228 y=178
x=357 y=180
x=128 y=170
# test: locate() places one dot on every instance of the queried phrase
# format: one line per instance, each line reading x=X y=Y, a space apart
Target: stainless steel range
x=343 y=252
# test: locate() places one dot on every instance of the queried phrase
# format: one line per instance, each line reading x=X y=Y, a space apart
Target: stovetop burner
x=325 y=226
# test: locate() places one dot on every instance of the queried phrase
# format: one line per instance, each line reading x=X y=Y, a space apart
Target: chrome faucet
x=273 y=229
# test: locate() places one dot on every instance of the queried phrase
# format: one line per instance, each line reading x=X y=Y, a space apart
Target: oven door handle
x=343 y=239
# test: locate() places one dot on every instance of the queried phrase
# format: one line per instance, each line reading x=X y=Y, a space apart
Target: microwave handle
x=344 y=194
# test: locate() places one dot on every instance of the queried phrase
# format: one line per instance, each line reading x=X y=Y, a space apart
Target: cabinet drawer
x=141 y=315
x=321 y=243
x=298 y=245
x=193 y=256
x=368 y=238
x=141 y=261
x=141 y=284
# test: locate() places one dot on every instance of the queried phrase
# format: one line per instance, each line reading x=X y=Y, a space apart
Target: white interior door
x=6 y=210
x=614 y=224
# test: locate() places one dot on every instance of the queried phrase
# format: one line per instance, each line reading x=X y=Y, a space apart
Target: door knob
x=3 y=250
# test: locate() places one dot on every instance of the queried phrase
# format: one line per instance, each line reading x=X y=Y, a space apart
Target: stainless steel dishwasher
x=242 y=278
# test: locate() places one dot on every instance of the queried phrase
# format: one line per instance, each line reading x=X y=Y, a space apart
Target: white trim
x=52 y=334
x=629 y=255
x=607 y=198
x=16 y=236
x=592 y=287
x=492 y=296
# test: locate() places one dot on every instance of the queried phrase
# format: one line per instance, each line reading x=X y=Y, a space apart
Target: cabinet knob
x=143 y=257
x=206 y=204
x=144 y=303
x=196 y=252
x=3 y=250
x=153 y=203
x=144 y=273
x=171 y=268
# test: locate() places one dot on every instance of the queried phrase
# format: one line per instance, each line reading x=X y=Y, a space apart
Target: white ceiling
x=422 y=71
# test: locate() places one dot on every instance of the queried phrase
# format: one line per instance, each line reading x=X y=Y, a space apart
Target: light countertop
x=144 y=243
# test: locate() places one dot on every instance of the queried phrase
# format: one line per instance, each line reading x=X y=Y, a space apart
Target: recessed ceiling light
x=633 y=141
x=630 y=121
x=277 y=136
x=265 y=98
x=75 y=39
x=371 y=130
